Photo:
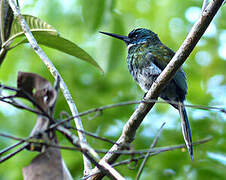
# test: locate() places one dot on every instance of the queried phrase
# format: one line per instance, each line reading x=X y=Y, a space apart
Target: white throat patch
x=130 y=45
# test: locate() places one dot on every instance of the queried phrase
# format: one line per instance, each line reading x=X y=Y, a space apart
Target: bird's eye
x=135 y=36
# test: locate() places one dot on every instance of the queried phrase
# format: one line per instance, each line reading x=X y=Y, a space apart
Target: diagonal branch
x=179 y=58
x=55 y=73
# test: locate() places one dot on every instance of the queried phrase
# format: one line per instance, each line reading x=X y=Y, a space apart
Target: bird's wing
x=161 y=56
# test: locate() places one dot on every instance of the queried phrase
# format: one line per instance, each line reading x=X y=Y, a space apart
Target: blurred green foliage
x=80 y=21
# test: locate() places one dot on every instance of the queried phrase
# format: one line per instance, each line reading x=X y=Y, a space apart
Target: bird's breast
x=143 y=71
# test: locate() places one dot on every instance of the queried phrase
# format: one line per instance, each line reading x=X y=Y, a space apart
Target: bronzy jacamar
x=147 y=57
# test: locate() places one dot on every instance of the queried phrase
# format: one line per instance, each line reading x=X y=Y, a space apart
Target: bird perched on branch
x=147 y=57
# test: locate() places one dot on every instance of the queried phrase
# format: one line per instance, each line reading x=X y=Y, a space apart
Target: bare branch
x=55 y=73
x=2 y=159
x=111 y=172
x=11 y=147
x=74 y=140
x=22 y=106
x=148 y=153
x=86 y=151
x=97 y=137
x=204 y=4
x=77 y=147
x=90 y=134
x=102 y=108
x=123 y=152
x=154 y=152
x=110 y=106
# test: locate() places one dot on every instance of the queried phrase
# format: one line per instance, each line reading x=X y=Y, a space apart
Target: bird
x=147 y=58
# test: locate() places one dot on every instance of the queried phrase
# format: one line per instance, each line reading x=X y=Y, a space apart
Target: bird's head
x=136 y=36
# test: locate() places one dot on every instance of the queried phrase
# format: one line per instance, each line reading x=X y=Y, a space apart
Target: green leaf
x=45 y=34
x=63 y=45
x=35 y=24
x=6 y=19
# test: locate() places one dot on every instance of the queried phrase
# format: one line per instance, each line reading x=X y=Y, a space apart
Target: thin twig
x=123 y=152
x=102 y=108
x=97 y=137
x=86 y=151
x=21 y=140
x=15 y=152
x=121 y=104
x=22 y=106
x=75 y=141
x=134 y=159
x=29 y=98
x=11 y=147
x=89 y=111
x=77 y=147
x=8 y=97
x=154 y=151
x=92 y=110
x=9 y=88
x=103 y=168
x=12 y=154
x=2 y=21
x=148 y=153
x=55 y=73
x=15 y=138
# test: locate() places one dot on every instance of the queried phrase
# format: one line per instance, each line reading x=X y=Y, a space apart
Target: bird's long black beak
x=124 y=38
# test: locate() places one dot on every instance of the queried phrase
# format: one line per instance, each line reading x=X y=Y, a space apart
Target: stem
x=55 y=73
x=2 y=21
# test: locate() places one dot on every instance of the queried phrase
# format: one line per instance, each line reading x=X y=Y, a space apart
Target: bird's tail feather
x=186 y=130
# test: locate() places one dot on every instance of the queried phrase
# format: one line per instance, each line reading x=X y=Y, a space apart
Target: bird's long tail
x=186 y=130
